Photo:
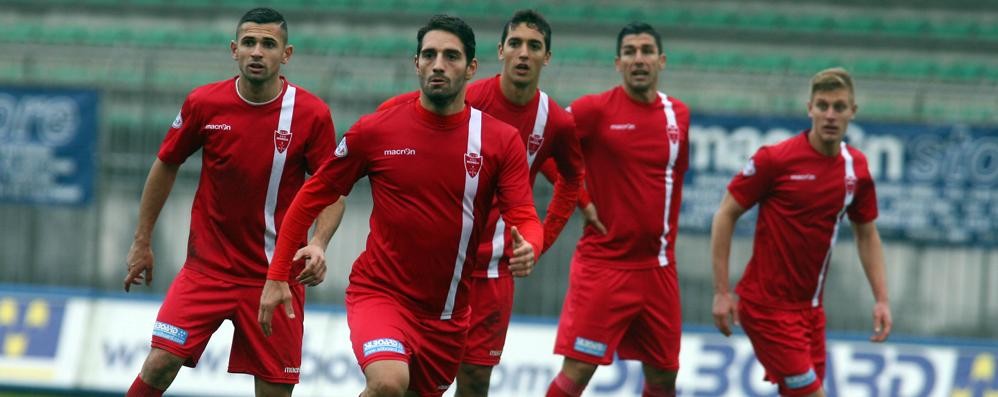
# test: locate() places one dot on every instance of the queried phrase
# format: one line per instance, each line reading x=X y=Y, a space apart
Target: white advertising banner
x=98 y=345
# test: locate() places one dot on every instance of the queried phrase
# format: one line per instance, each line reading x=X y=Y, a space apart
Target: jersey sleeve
x=755 y=180
x=184 y=136
x=864 y=204
x=398 y=100
x=515 y=196
x=584 y=113
x=350 y=160
x=568 y=159
x=323 y=141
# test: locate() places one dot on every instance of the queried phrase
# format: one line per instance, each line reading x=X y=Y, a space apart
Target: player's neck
x=826 y=148
x=646 y=96
x=259 y=93
x=456 y=105
x=517 y=94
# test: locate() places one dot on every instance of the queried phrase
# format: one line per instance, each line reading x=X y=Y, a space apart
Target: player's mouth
x=521 y=69
x=437 y=81
x=256 y=67
x=640 y=74
x=830 y=129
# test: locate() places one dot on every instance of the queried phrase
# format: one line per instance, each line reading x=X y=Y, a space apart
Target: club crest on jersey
x=850 y=184
x=534 y=143
x=472 y=164
x=282 y=139
x=673 y=133
x=341 y=149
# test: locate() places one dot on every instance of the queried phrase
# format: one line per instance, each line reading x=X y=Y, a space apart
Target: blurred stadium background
x=916 y=63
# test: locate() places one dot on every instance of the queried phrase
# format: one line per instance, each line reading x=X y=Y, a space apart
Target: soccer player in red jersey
x=437 y=166
x=259 y=136
x=623 y=293
x=804 y=186
x=548 y=132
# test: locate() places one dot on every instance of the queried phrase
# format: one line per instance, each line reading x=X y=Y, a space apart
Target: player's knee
x=268 y=389
x=473 y=380
x=386 y=386
x=160 y=368
x=660 y=377
x=578 y=371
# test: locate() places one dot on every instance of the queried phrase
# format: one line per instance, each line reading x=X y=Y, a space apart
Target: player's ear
x=288 y=50
x=233 y=46
x=472 y=68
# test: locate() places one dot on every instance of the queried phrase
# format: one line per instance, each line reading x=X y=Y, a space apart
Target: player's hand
x=315 y=265
x=274 y=293
x=724 y=311
x=522 y=262
x=140 y=263
x=592 y=218
x=882 y=322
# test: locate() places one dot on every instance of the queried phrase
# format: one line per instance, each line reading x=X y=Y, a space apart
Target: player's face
x=260 y=50
x=523 y=54
x=442 y=66
x=639 y=62
x=830 y=113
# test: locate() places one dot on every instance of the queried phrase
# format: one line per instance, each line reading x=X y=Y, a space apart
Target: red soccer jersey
x=433 y=181
x=636 y=156
x=802 y=196
x=547 y=131
x=254 y=160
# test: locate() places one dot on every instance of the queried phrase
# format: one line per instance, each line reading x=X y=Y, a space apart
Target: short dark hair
x=638 y=28
x=264 y=15
x=450 y=24
x=534 y=20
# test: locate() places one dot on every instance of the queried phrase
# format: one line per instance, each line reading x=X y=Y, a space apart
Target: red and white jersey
x=254 y=160
x=803 y=196
x=636 y=157
x=547 y=131
x=433 y=182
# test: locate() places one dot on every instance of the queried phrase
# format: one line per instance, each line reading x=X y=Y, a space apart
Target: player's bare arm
x=315 y=252
x=592 y=217
x=274 y=293
x=871 y=255
x=722 y=228
x=140 y=259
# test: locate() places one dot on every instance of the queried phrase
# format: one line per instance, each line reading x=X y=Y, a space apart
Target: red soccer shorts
x=633 y=312
x=382 y=329
x=790 y=344
x=194 y=308
x=491 y=306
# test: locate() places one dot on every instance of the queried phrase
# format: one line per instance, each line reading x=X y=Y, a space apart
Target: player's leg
x=263 y=388
x=473 y=380
x=781 y=340
x=274 y=361
x=194 y=307
x=439 y=346
x=597 y=312
x=491 y=301
x=158 y=372
x=654 y=336
x=381 y=334
x=386 y=378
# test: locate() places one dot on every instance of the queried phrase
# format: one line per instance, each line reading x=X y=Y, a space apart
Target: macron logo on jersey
x=341 y=149
x=802 y=177
x=622 y=127
x=749 y=168
x=177 y=122
x=383 y=345
x=400 y=152
x=218 y=127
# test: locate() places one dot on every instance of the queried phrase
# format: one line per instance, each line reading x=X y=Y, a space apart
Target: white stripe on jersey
x=850 y=174
x=539 y=124
x=670 y=118
x=499 y=236
x=498 y=248
x=276 y=170
x=467 y=212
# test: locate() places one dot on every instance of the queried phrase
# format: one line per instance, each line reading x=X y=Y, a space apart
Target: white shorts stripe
x=467 y=212
x=850 y=175
x=276 y=170
x=498 y=248
x=670 y=118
